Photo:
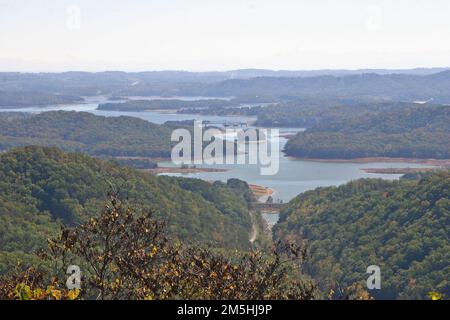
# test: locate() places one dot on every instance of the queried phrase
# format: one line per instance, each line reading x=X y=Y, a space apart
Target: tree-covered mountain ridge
x=401 y=226
x=394 y=85
x=415 y=132
x=43 y=187
x=88 y=133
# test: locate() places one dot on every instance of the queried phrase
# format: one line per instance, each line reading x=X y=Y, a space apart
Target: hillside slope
x=415 y=132
x=88 y=133
x=41 y=187
x=402 y=226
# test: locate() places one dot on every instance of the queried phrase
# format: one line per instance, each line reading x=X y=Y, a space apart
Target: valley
x=225 y=159
x=235 y=206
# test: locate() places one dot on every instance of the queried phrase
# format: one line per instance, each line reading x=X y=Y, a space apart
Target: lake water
x=294 y=176
x=152 y=116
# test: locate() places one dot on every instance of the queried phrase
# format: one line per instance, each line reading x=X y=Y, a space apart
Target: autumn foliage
x=124 y=254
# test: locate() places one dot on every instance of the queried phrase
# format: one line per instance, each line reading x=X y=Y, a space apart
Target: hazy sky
x=55 y=35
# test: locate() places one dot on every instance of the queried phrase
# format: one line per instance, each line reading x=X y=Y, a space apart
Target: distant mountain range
x=253 y=73
x=398 y=85
x=224 y=75
x=384 y=87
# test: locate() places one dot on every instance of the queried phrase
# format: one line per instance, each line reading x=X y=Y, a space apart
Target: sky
x=202 y=35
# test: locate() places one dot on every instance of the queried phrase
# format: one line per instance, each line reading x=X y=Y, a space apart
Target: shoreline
x=430 y=162
x=160 y=170
x=397 y=170
x=154 y=159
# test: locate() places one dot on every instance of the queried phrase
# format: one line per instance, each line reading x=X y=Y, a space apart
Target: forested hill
x=21 y=99
x=144 y=105
x=393 y=87
x=307 y=113
x=416 y=132
x=40 y=187
x=88 y=133
x=402 y=226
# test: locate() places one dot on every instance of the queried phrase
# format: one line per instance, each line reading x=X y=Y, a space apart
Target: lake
x=294 y=176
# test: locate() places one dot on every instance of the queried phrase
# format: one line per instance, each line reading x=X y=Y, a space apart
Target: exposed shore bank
x=397 y=170
x=430 y=162
x=159 y=170
x=260 y=192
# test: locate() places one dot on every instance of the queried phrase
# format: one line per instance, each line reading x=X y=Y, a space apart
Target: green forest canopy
x=144 y=105
x=88 y=133
x=337 y=84
x=42 y=187
x=416 y=132
x=401 y=226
